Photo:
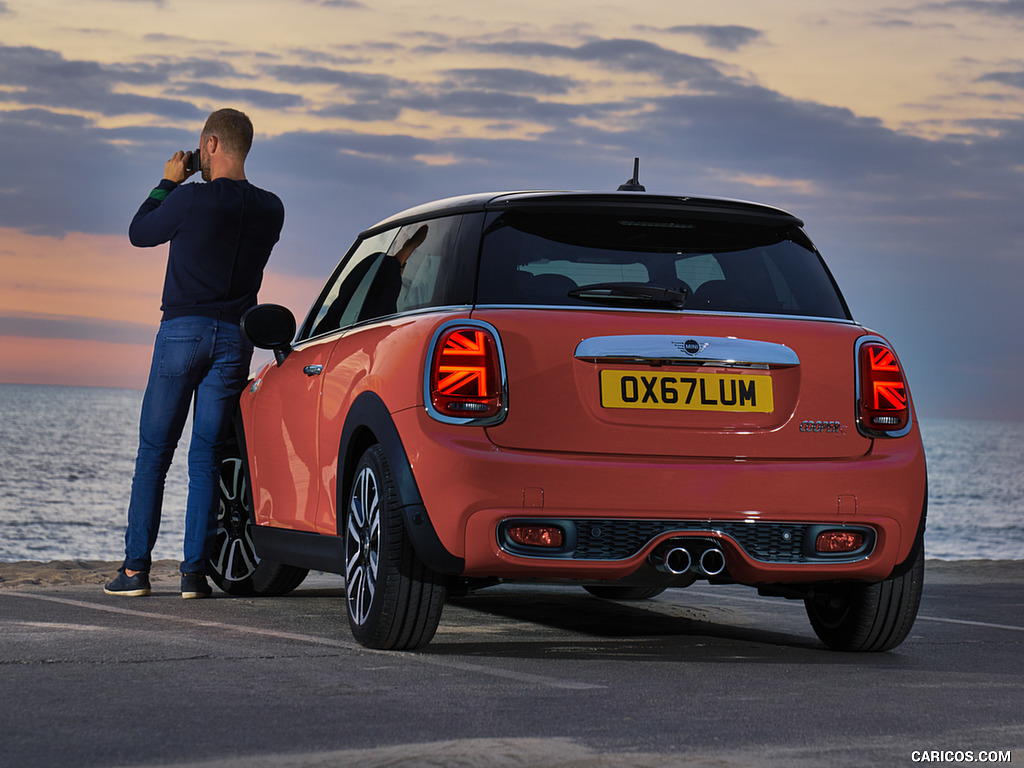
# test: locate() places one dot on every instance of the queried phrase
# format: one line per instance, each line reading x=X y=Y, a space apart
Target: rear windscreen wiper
x=631 y=293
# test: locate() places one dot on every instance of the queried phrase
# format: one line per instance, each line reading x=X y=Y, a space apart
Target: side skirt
x=300 y=548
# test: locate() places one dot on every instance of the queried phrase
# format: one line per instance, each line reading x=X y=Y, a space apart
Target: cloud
x=37 y=77
x=346 y=79
x=57 y=326
x=729 y=37
x=727 y=124
x=511 y=81
x=60 y=195
x=493 y=105
x=1013 y=79
x=628 y=55
x=323 y=58
x=254 y=96
x=364 y=110
x=347 y=4
x=196 y=68
x=1012 y=9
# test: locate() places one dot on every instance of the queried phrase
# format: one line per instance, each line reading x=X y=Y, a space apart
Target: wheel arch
x=238 y=429
x=918 y=545
x=368 y=422
x=238 y=432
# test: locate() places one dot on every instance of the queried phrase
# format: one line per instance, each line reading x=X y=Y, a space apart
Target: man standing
x=221 y=234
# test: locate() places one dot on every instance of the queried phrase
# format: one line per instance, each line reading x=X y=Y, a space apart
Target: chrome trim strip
x=686 y=350
x=388 y=318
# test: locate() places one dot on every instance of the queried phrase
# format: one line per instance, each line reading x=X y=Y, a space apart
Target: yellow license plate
x=687 y=391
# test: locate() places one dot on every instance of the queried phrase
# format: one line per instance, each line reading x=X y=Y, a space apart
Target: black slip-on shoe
x=129 y=586
x=194 y=585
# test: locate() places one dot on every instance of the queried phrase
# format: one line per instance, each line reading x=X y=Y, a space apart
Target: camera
x=193 y=162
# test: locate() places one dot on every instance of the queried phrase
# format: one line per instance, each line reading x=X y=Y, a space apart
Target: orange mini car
x=624 y=391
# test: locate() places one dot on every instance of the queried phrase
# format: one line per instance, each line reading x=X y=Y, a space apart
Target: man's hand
x=174 y=170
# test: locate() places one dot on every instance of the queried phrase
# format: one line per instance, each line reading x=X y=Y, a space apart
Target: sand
x=61 y=573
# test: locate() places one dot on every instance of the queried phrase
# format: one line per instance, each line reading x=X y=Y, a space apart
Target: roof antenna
x=634 y=185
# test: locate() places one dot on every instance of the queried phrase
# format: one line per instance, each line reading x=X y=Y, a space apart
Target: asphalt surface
x=516 y=676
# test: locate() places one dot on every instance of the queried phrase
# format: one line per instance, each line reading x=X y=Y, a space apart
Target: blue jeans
x=194 y=359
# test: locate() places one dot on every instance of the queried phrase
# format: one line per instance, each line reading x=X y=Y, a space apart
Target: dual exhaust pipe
x=677 y=558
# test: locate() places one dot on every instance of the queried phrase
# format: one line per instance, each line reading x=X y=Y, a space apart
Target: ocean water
x=67 y=456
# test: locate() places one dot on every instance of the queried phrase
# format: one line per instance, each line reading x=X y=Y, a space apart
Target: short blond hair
x=233 y=130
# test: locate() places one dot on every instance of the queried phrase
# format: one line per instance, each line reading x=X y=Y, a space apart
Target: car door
x=285 y=432
x=287 y=471
x=377 y=349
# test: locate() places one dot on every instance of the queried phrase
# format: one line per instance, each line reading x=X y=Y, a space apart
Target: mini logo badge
x=693 y=347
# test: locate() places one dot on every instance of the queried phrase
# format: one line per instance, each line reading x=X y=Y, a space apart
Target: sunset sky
x=894 y=129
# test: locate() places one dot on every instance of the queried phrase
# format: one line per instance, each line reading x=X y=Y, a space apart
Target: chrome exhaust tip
x=712 y=561
x=671 y=559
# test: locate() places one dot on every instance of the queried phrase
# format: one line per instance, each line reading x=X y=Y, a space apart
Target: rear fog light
x=549 y=536
x=837 y=542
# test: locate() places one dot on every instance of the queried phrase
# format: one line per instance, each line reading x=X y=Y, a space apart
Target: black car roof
x=495 y=201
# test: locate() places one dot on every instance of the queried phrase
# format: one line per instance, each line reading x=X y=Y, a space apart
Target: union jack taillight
x=883 y=404
x=465 y=375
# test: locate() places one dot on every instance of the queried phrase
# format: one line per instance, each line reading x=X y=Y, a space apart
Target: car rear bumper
x=763 y=515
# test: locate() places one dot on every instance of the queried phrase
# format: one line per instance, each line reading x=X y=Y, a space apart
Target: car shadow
x=534 y=626
x=567 y=623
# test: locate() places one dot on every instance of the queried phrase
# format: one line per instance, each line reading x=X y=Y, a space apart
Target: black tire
x=612 y=592
x=394 y=601
x=234 y=565
x=867 y=617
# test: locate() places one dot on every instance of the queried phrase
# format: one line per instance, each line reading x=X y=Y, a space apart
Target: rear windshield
x=602 y=258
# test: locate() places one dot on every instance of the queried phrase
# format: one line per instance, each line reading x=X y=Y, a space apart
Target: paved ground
x=517 y=676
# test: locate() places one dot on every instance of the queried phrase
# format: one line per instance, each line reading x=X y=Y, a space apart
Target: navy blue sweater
x=221 y=235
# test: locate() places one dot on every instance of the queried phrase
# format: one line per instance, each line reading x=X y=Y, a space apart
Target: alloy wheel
x=362 y=545
x=234 y=555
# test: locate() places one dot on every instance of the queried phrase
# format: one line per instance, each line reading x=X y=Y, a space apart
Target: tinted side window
x=426 y=264
x=410 y=275
x=346 y=292
x=424 y=252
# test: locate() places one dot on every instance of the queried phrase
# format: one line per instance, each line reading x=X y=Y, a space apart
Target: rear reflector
x=550 y=536
x=884 y=403
x=835 y=542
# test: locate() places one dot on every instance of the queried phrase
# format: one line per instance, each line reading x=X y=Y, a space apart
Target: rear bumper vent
x=766 y=542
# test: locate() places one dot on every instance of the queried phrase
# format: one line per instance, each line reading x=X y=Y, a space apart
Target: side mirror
x=270 y=326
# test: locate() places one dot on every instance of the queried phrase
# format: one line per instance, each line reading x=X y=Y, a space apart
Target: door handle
x=313 y=370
